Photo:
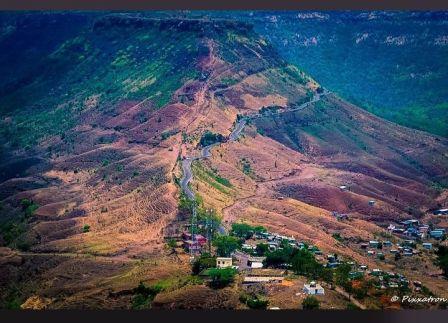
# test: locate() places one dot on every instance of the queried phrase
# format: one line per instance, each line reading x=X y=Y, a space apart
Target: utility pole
x=193 y=231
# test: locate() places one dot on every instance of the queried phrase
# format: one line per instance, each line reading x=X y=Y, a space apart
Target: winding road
x=234 y=135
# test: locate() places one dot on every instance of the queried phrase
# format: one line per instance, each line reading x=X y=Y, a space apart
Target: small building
x=437 y=234
x=374 y=243
x=192 y=246
x=371 y=202
x=376 y=272
x=255 y=262
x=387 y=243
x=427 y=245
x=441 y=212
x=223 y=262
x=257 y=276
x=313 y=289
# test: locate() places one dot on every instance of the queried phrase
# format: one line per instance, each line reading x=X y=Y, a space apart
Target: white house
x=313 y=289
x=223 y=262
x=255 y=262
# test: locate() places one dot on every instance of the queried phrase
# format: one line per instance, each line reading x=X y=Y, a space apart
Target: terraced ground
x=93 y=187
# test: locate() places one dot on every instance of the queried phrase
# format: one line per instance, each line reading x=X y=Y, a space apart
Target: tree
x=225 y=245
x=221 y=277
x=278 y=257
x=304 y=263
x=205 y=261
x=261 y=249
x=242 y=230
x=342 y=276
x=442 y=259
x=171 y=243
x=310 y=303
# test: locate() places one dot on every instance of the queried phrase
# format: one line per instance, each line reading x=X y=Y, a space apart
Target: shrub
x=86 y=228
x=144 y=295
x=254 y=301
x=310 y=303
x=221 y=278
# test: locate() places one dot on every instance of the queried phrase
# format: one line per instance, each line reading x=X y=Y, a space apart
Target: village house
x=441 y=212
x=437 y=234
x=364 y=245
x=410 y=223
x=223 y=262
x=313 y=289
x=374 y=243
x=272 y=246
x=255 y=262
x=427 y=245
x=387 y=243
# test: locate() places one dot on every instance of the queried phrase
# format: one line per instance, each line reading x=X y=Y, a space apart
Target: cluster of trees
x=442 y=259
x=254 y=301
x=225 y=245
x=204 y=261
x=246 y=231
x=310 y=303
x=301 y=261
x=221 y=277
x=209 y=138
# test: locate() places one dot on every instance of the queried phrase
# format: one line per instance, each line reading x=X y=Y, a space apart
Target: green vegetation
x=246 y=167
x=89 y=63
x=86 y=228
x=144 y=295
x=310 y=303
x=204 y=261
x=171 y=243
x=209 y=138
x=221 y=278
x=211 y=177
x=13 y=230
x=261 y=249
x=254 y=301
x=245 y=231
x=338 y=237
x=402 y=85
x=225 y=245
x=442 y=259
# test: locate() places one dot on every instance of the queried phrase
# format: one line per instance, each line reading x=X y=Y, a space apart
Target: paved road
x=234 y=135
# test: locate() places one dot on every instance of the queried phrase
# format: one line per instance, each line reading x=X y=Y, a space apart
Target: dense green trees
x=225 y=245
x=209 y=138
x=220 y=278
x=205 y=261
x=442 y=259
x=246 y=231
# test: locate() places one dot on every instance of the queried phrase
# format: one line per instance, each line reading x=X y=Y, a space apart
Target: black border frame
x=68 y=316
x=223 y=4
